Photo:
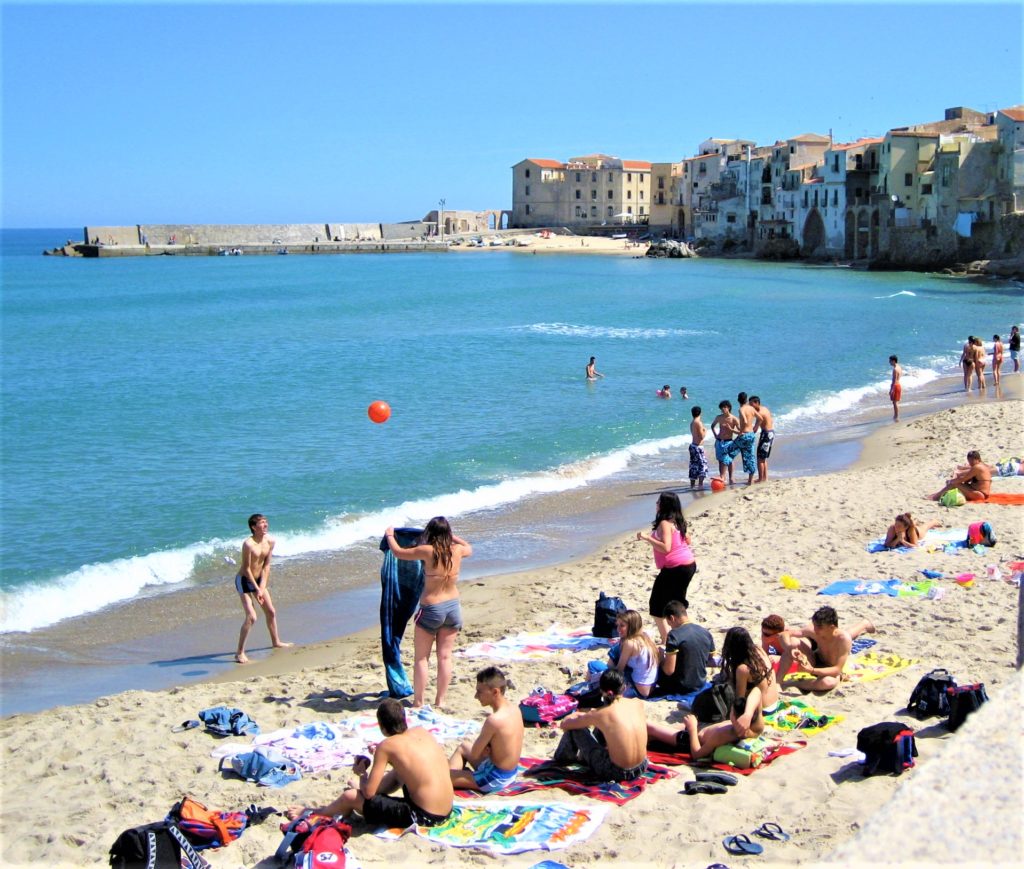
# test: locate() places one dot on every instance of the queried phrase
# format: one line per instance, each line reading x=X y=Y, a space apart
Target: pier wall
x=240 y=235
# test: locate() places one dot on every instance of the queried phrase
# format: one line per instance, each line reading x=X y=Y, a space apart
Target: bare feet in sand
x=241 y=658
x=283 y=645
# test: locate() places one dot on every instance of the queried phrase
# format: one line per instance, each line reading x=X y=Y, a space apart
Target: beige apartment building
x=593 y=190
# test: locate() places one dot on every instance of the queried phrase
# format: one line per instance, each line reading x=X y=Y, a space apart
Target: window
x=593 y=176
x=694 y=185
x=629 y=176
x=593 y=194
x=609 y=194
x=629 y=194
x=579 y=211
x=641 y=194
x=945 y=176
x=527 y=207
x=527 y=189
x=703 y=169
x=835 y=162
x=641 y=209
x=815 y=198
x=579 y=194
x=805 y=199
x=609 y=211
x=835 y=197
x=527 y=173
x=792 y=149
x=579 y=177
x=730 y=218
x=926 y=189
x=629 y=209
x=610 y=178
x=908 y=179
x=661 y=182
x=593 y=211
x=661 y=199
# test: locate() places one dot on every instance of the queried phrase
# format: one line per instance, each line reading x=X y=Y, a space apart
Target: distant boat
x=282 y=251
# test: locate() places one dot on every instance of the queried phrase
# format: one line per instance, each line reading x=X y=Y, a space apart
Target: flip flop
x=741 y=844
x=722 y=778
x=773 y=831
x=692 y=788
x=185 y=725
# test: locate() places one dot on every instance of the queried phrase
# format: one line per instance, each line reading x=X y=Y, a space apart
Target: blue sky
x=260 y=113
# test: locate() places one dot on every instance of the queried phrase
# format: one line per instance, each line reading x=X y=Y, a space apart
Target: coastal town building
x=590 y=191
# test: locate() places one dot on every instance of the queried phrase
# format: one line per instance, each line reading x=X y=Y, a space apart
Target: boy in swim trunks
x=490 y=763
x=744 y=442
x=419 y=767
x=724 y=428
x=698 y=461
x=767 y=438
x=252 y=584
x=821 y=649
x=895 y=388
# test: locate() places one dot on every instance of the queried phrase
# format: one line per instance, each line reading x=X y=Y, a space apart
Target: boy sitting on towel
x=820 y=649
x=619 y=750
x=490 y=763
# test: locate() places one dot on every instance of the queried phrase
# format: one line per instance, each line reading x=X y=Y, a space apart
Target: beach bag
x=963 y=700
x=606 y=609
x=542 y=707
x=154 y=846
x=980 y=532
x=953 y=498
x=222 y=721
x=209 y=828
x=313 y=842
x=713 y=704
x=888 y=747
x=930 y=696
x=738 y=757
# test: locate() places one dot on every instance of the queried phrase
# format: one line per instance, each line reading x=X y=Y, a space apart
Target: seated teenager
x=490 y=762
x=821 y=650
x=637 y=656
x=688 y=651
x=611 y=740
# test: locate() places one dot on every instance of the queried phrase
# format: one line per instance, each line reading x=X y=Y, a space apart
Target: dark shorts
x=400 y=812
x=244 y=585
x=434 y=616
x=764 y=444
x=670 y=584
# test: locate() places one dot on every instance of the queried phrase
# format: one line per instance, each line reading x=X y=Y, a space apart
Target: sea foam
x=577 y=331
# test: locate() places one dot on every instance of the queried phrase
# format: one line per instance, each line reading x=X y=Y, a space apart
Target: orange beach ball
x=717 y=485
x=379 y=411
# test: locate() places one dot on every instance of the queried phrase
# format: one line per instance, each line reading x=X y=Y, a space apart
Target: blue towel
x=401 y=584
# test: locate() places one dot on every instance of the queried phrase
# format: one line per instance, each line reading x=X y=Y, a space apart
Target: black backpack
x=713 y=704
x=154 y=846
x=931 y=696
x=963 y=700
x=889 y=748
x=606 y=609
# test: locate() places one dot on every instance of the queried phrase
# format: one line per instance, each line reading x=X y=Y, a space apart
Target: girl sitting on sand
x=636 y=653
x=440 y=613
x=757 y=693
x=904 y=531
x=672 y=556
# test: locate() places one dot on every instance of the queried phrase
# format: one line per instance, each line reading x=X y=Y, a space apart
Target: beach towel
x=508 y=827
x=861 y=644
x=527 y=646
x=401 y=584
x=1003 y=498
x=772 y=749
x=792 y=714
x=866 y=667
x=536 y=773
x=933 y=540
x=884 y=587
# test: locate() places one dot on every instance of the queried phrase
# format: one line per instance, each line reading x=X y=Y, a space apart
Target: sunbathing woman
x=904 y=531
x=637 y=652
x=440 y=613
x=757 y=692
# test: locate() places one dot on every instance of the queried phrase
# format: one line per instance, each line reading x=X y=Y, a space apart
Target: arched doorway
x=814 y=234
x=849 y=241
x=862 y=235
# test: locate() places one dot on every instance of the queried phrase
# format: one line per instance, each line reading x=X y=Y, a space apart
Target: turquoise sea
x=150 y=405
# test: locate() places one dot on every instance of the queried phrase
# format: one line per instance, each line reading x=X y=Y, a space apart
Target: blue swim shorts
x=489 y=778
x=244 y=585
x=722 y=451
x=434 y=616
x=744 y=445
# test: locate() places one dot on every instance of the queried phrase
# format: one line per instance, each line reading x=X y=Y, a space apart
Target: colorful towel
x=658 y=752
x=796 y=715
x=934 y=539
x=528 y=646
x=536 y=773
x=861 y=644
x=887 y=587
x=323 y=746
x=401 y=584
x=1002 y=498
x=867 y=667
x=508 y=827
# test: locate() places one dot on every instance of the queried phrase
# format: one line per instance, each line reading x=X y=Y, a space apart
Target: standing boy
x=253 y=584
x=698 y=461
x=766 y=439
x=724 y=428
x=895 y=388
x=744 y=442
x=490 y=763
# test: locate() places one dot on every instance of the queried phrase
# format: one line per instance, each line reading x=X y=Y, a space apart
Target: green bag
x=953 y=498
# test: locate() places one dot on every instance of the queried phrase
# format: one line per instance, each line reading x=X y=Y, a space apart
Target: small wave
x=827 y=403
x=894 y=295
x=575 y=331
x=95 y=586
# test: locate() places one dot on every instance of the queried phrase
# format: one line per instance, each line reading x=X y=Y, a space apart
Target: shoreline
x=158 y=641
x=792 y=525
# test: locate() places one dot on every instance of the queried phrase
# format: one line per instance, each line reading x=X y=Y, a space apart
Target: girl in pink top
x=672 y=556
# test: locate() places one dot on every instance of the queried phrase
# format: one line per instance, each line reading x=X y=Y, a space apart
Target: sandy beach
x=575 y=244
x=116 y=763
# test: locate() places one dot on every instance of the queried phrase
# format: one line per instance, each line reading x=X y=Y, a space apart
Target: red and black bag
x=888 y=747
